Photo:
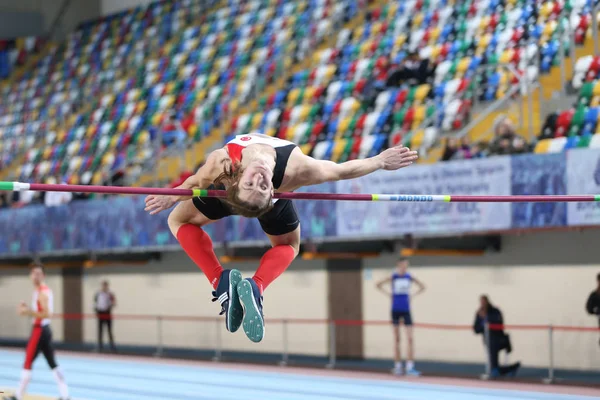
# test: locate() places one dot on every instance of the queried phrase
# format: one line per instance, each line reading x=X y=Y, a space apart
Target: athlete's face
x=37 y=276
x=255 y=186
x=402 y=266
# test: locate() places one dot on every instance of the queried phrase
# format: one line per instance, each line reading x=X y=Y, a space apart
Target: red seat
x=563 y=122
x=355 y=148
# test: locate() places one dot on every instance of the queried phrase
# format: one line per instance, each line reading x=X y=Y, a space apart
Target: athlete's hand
x=397 y=157
x=22 y=309
x=156 y=204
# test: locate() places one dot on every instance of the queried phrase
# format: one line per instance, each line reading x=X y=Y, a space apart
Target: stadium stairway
x=168 y=168
x=550 y=84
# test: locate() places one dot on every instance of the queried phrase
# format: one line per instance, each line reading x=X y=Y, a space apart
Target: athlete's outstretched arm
x=202 y=179
x=319 y=171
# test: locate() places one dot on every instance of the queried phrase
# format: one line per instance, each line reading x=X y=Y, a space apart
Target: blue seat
x=333 y=125
x=377 y=145
x=329 y=150
x=572 y=142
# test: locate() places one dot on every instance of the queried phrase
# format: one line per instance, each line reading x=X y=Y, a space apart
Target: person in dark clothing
x=412 y=70
x=104 y=302
x=498 y=340
x=593 y=302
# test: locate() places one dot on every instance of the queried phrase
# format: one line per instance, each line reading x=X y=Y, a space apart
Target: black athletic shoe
x=227 y=295
x=9 y=398
x=254 y=323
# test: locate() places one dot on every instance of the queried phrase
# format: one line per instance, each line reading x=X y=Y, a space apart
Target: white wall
x=299 y=293
x=108 y=7
x=16 y=287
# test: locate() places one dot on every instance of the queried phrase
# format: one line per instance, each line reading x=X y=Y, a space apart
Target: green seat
x=352 y=124
x=578 y=117
x=453 y=67
x=587 y=91
x=411 y=95
x=584 y=141
x=314 y=110
x=347 y=150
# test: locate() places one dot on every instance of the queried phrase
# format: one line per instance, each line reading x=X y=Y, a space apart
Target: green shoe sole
x=253 y=324
x=235 y=314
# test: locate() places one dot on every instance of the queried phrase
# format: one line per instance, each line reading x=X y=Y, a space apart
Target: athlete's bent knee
x=174 y=223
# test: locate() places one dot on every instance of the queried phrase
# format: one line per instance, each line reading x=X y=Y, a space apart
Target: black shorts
x=40 y=341
x=402 y=315
x=281 y=219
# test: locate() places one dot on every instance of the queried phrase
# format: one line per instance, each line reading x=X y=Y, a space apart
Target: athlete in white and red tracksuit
x=41 y=335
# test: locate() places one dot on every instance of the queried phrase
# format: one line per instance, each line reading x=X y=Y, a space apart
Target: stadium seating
x=100 y=96
x=321 y=108
x=94 y=103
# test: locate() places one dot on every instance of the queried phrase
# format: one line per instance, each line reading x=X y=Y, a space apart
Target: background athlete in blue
x=401 y=282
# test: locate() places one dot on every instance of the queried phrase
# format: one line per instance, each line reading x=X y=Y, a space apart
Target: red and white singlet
x=37 y=306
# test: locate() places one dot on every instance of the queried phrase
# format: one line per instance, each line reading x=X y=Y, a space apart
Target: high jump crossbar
x=41 y=187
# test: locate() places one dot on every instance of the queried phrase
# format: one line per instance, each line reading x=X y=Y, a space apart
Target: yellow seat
x=506 y=56
x=417 y=139
x=212 y=79
x=306 y=148
x=293 y=96
x=596 y=90
x=97 y=178
x=400 y=40
x=144 y=137
x=141 y=106
x=484 y=41
x=309 y=92
x=418 y=20
x=317 y=57
x=170 y=87
x=484 y=23
x=365 y=47
x=122 y=125
x=421 y=92
x=291 y=132
x=338 y=149
x=156 y=119
x=60 y=137
x=329 y=73
x=434 y=34
x=548 y=30
x=343 y=125
x=595 y=101
x=376 y=27
x=256 y=119
x=419 y=117
x=394 y=5
x=200 y=95
x=359 y=31
x=542 y=146
x=462 y=66
x=435 y=51
x=234 y=104
x=546 y=10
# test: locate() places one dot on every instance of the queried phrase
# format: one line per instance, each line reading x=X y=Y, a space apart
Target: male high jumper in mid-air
x=252 y=168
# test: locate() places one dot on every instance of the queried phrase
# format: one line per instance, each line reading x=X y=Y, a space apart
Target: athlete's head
x=105 y=286
x=249 y=190
x=402 y=265
x=484 y=301
x=37 y=274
